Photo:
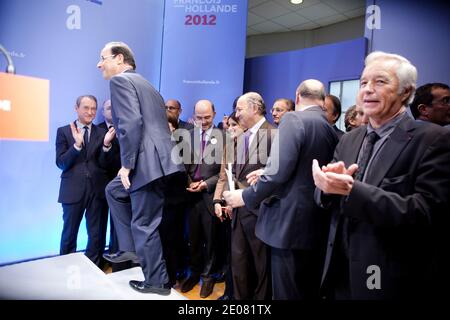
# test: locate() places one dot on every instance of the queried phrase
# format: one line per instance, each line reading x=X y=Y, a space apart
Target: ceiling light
x=296 y=1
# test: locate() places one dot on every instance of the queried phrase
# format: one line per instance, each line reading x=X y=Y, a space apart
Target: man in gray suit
x=289 y=221
x=249 y=255
x=136 y=195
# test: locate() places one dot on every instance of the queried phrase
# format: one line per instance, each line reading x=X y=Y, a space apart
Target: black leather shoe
x=142 y=287
x=207 y=287
x=121 y=256
x=189 y=283
x=225 y=297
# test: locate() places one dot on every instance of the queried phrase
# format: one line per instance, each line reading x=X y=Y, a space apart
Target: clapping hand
x=334 y=178
x=77 y=135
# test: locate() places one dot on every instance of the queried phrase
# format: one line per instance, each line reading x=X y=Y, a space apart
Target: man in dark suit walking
x=83 y=159
x=136 y=195
x=250 y=257
x=388 y=231
x=289 y=221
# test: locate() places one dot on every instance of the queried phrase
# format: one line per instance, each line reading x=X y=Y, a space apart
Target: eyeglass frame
x=102 y=58
x=441 y=102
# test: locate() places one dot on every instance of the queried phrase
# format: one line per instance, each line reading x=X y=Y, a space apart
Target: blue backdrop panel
x=418 y=31
x=60 y=40
x=278 y=75
x=203 y=53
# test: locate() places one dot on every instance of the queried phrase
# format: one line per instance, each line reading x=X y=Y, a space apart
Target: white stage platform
x=71 y=277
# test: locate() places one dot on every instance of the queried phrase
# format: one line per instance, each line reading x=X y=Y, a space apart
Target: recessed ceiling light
x=296 y=1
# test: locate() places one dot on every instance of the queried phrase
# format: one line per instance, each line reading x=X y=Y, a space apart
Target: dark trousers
x=136 y=217
x=113 y=246
x=249 y=259
x=96 y=216
x=170 y=231
x=202 y=238
x=296 y=273
x=225 y=246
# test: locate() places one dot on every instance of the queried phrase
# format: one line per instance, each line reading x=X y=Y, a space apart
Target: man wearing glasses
x=174 y=107
x=136 y=195
x=432 y=104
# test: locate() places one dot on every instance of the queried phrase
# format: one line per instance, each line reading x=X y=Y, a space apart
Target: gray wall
x=265 y=44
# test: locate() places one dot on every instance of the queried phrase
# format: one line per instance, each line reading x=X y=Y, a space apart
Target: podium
x=24 y=108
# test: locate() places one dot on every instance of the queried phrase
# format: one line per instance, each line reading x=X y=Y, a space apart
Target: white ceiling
x=268 y=16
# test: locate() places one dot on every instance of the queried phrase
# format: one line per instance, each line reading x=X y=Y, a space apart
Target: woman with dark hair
x=224 y=213
x=354 y=118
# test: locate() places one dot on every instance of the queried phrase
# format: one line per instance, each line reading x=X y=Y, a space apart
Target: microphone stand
x=10 y=67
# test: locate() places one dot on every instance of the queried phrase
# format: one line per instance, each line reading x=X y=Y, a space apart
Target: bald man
x=289 y=221
x=203 y=177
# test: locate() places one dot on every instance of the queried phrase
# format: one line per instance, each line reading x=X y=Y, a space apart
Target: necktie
x=246 y=142
x=348 y=222
x=86 y=136
x=366 y=154
x=197 y=174
x=244 y=153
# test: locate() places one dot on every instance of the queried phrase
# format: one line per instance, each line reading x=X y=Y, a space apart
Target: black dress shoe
x=189 y=283
x=142 y=287
x=207 y=287
x=121 y=256
x=225 y=297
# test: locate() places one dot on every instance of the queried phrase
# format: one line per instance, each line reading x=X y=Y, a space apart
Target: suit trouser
x=136 y=217
x=202 y=232
x=296 y=273
x=168 y=233
x=96 y=215
x=249 y=259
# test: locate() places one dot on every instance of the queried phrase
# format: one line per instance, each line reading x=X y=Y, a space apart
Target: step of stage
x=70 y=277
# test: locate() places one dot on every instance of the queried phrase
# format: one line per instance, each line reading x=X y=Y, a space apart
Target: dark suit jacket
x=338 y=131
x=259 y=151
x=399 y=213
x=140 y=120
x=78 y=166
x=209 y=172
x=288 y=217
x=185 y=125
x=115 y=165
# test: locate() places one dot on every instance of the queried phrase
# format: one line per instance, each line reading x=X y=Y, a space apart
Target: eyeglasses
x=443 y=102
x=170 y=108
x=102 y=58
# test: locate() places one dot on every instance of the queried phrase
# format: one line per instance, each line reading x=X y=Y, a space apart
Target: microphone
x=10 y=67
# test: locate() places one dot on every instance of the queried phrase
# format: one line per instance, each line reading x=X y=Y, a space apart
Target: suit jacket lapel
x=259 y=136
x=350 y=154
x=253 y=147
x=394 y=145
